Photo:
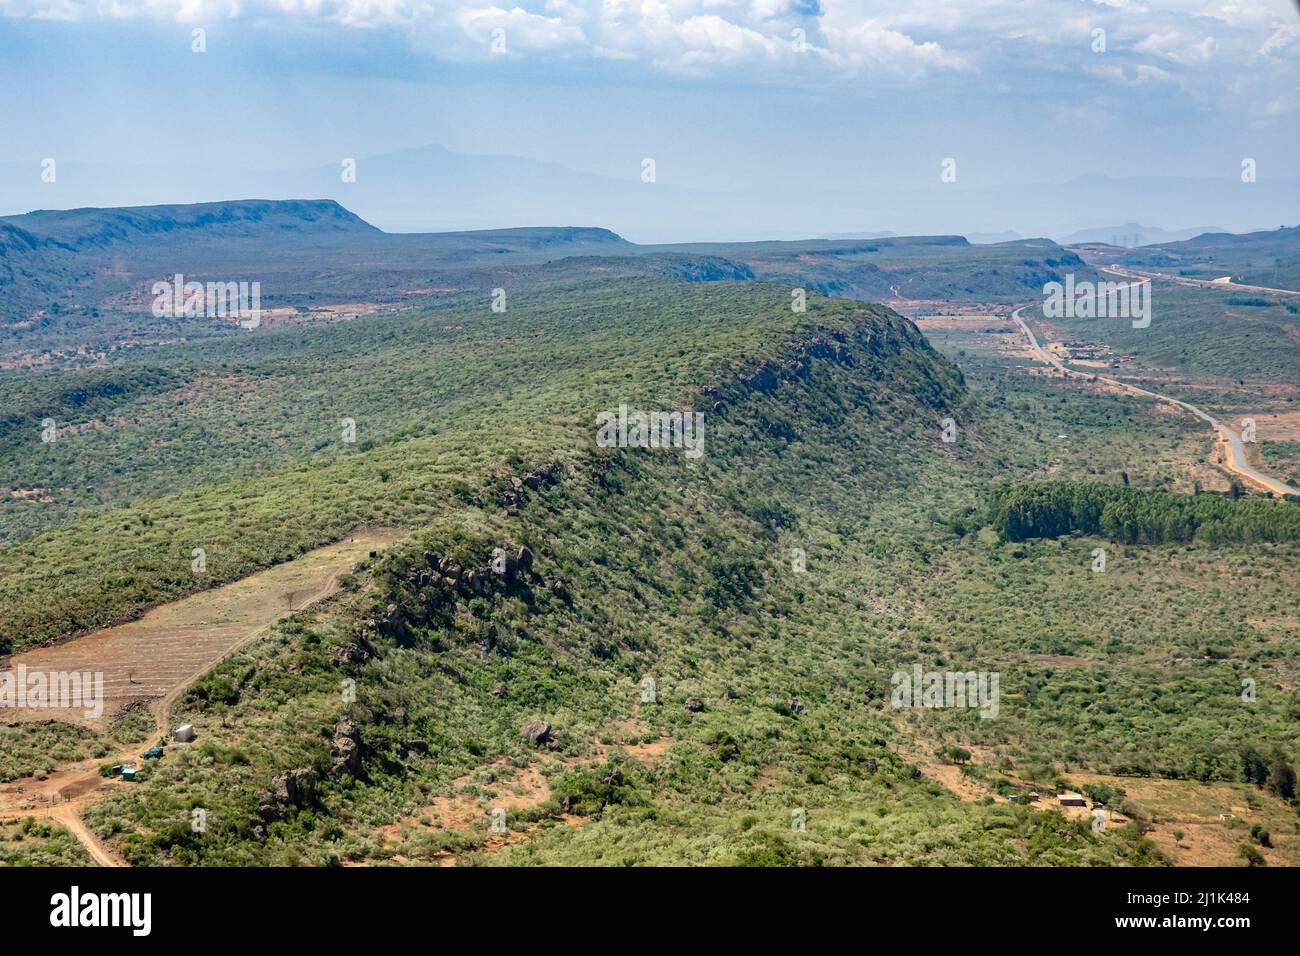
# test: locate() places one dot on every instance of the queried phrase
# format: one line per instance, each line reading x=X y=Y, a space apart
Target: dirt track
x=160 y=655
x=1234 y=458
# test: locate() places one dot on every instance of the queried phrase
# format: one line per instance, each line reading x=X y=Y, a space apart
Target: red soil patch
x=173 y=644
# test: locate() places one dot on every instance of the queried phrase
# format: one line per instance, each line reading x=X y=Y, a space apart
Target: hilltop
x=83 y=229
x=1267 y=258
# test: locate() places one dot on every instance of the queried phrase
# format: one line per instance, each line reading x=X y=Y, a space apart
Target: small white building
x=184 y=733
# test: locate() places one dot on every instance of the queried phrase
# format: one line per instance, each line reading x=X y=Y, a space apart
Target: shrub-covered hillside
x=676 y=661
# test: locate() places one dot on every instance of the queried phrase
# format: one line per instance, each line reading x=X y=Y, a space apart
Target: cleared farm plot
x=171 y=645
x=1206 y=824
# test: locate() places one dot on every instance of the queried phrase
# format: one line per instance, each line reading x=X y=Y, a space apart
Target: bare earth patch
x=156 y=657
x=949 y=775
x=1213 y=818
x=171 y=645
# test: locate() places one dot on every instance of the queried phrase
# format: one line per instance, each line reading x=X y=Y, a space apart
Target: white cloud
x=1148 y=74
x=1178 y=48
x=1017 y=43
x=1283 y=37
x=522 y=30
x=869 y=45
x=711 y=32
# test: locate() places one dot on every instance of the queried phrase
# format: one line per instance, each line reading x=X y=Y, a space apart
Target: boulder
x=536 y=732
x=694 y=705
x=295 y=788
x=503 y=563
x=391 y=623
x=347 y=750
x=267 y=813
x=356 y=651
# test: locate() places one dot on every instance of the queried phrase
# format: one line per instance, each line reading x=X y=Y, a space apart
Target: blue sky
x=719 y=92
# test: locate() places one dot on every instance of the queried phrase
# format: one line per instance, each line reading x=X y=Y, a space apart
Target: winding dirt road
x=1238 y=462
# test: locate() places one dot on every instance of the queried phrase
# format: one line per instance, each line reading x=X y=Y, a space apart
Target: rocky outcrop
x=762 y=379
x=536 y=732
x=766 y=378
x=347 y=750
x=875 y=341
x=293 y=788
x=513 y=493
x=391 y=623
x=433 y=588
x=356 y=651
x=296 y=788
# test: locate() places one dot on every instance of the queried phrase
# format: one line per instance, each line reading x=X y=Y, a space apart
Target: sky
x=775 y=97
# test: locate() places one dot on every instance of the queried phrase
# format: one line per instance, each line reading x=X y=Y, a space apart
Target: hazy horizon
x=764 y=119
x=438 y=190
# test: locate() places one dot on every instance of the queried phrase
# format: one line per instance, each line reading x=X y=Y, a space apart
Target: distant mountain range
x=1269 y=258
x=77 y=229
x=886 y=234
x=82 y=277
x=985 y=238
x=1130 y=234
x=1127 y=236
x=435 y=189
